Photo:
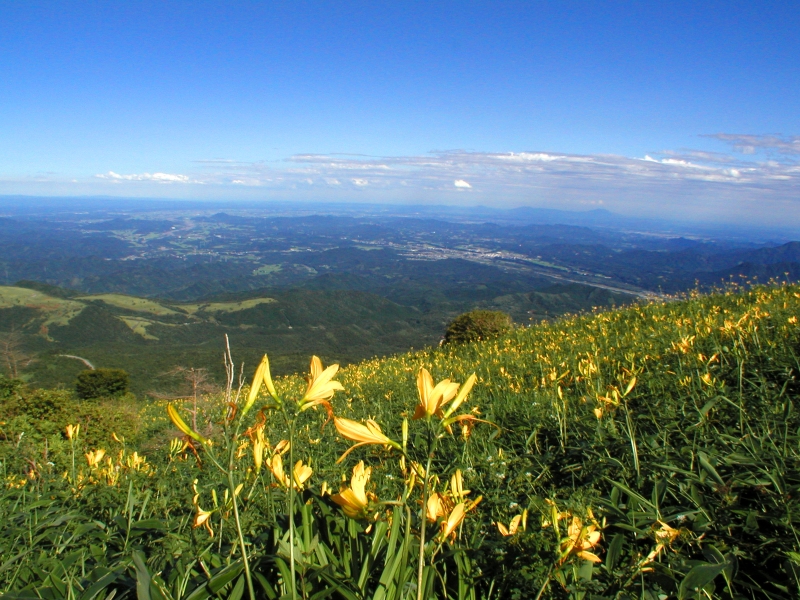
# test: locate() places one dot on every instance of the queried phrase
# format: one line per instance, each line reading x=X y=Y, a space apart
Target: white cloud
x=158 y=177
x=750 y=144
x=682 y=182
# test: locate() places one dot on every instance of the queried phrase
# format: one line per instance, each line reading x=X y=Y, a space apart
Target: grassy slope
x=706 y=440
x=149 y=337
x=708 y=435
x=702 y=366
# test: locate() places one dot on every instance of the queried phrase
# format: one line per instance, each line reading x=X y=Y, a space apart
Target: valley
x=150 y=288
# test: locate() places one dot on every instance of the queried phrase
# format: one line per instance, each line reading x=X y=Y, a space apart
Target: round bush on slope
x=101 y=383
x=477 y=325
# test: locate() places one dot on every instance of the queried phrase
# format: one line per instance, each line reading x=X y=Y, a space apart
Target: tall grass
x=654 y=452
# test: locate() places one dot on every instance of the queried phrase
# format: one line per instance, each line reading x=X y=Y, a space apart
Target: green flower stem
x=290 y=423
x=423 y=519
x=232 y=487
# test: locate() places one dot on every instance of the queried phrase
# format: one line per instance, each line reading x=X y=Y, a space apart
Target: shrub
x=477 y=325
x=101 y=383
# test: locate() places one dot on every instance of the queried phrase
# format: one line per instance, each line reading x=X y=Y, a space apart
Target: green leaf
x=614 y=551
x=225 y=576
x=267 y=586
x=286 y=574
x=102 y=583
x=238 y=589
x=149 y=524
x=698 y=578
x=707 y=407
x=709 y=468
x=142 y=576
x=631 y=493
x=199 y=593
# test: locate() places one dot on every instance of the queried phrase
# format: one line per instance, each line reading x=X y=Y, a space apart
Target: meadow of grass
x=650 y=452
x=131 y=303
x=59 y=311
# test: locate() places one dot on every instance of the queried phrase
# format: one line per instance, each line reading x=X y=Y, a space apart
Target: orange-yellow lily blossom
x=73 y=431
x=364 y=434
x=262 y=376
x=580 y=539
x=432 y=397
x=462 y=395
x=435 y=508
x=94 y=457
x=512 y=528
x=201 y=519
x=300 y=473
x=457 y=486
x=181 y=424
x=259 y=445
x=456 y=516
x=665 y=533
x=320 y=387
x=354 y=500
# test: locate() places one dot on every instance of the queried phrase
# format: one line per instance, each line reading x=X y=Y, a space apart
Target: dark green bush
x=477 y=325
x=101 y=383
x=9 y=387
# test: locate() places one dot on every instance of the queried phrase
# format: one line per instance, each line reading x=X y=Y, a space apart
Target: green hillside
x=149 y=337
x=654 y=450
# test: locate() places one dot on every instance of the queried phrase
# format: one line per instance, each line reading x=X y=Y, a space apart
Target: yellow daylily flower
x=259 y=445
x=201 y=519
x=134 y=461
x=300 y=473
x=320 y=387
x=275 y=465
x=435 y=507
x=432 y=397
x=94 y=457
x=364 y=434
x=73 y=431
x=457 y=486
x=512 y=526
x=462 y=395
x=262 y=376
x=580 y=539
x=665 y=533
x=355 y=500
x=455 y=518
x=181 y=424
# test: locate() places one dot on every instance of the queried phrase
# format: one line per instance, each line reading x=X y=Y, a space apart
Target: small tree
x=101 y=383
x=194 y=385
x=12 y=357
x=477 y=325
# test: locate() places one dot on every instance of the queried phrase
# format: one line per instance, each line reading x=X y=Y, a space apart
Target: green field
x=56 y=311
x=654 y=452
x=131 y=303
x=224 y=307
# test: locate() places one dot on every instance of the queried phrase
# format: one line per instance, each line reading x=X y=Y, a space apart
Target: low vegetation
x=477 y=326
x=650 y=452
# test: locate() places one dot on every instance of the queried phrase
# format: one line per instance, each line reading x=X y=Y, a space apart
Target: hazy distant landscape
x=348 y=287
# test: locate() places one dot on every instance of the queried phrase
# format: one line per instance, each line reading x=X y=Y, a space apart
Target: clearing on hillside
x=58 y=310
x=209 y=307
x=132 y=303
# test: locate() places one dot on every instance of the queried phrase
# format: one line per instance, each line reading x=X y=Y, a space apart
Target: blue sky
x=674 y=109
